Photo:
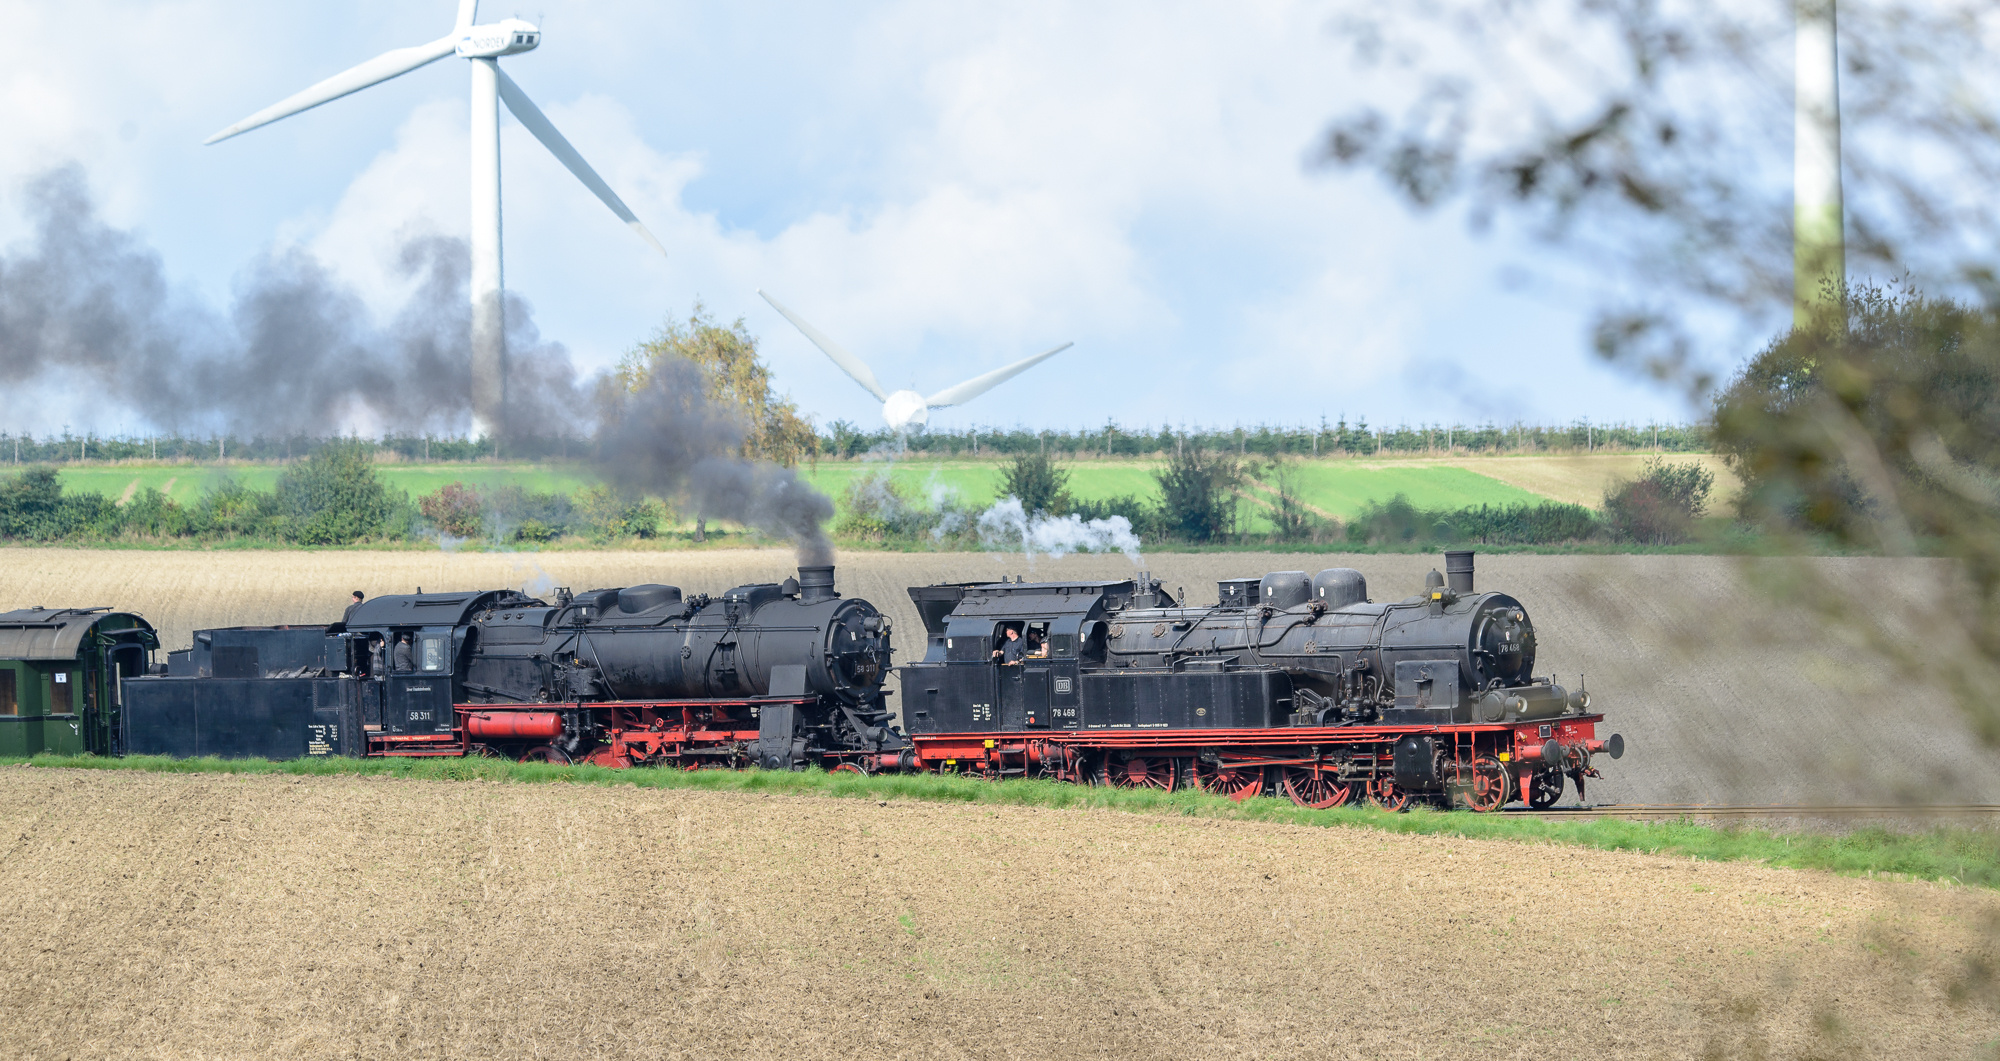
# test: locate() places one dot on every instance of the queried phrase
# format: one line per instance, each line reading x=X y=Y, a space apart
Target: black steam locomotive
x=777 y=673
x=1289 y=680
x=1290 y=683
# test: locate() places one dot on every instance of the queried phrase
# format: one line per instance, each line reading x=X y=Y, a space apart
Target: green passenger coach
x=59 y=677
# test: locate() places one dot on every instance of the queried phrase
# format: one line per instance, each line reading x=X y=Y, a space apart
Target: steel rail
x=1669 y=811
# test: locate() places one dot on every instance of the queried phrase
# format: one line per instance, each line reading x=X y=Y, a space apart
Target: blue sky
x=943 y=187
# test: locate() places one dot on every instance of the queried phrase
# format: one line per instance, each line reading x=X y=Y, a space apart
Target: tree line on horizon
x=796 y=439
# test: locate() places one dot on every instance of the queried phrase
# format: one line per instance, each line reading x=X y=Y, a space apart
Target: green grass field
x=1338 y=488
x=185 y=483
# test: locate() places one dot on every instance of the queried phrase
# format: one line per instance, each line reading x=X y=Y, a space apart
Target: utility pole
x=1819 y=251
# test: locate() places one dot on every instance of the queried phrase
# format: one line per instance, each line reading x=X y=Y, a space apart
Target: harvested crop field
x=251 y=916
x=1726 y=693
x=1583 y=479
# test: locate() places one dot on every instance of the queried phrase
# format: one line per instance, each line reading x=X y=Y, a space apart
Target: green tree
x=31 y=505
x=454 y=509
x=1198 y=494
x=334 y=497
x=1661 y=505
x=230 y=509
x=1041 y=485
x=1878 y=431
x=153 y=514
x=608 y=515
x=736 y=376
x=1295 y=520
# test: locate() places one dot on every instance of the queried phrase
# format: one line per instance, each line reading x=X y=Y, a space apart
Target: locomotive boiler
x=781 y=674
x=1291 y=680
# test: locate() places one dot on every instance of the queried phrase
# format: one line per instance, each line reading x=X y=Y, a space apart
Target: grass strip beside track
x=1960 y=855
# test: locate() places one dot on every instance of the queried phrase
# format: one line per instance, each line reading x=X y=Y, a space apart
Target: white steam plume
x=1007 y=526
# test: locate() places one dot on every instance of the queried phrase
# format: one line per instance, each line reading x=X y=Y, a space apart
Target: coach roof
x=58 y=633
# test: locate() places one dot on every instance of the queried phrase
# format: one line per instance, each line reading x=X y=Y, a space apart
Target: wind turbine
x=1819 y=250
x=906 y=410
x=482 y=46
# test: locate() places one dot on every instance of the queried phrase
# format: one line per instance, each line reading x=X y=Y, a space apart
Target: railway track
x=1671 y=811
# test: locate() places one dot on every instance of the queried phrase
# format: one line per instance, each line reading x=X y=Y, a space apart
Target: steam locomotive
x=776 y=674
x=1290 y=681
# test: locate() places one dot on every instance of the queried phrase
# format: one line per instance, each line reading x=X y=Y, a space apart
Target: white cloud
x=944 y=187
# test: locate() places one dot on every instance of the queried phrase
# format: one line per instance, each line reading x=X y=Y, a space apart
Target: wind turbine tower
x=482 y=47
x=1819 y=252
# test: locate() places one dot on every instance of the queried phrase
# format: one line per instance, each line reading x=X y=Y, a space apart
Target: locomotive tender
x=781 y=674
x=1289 y=680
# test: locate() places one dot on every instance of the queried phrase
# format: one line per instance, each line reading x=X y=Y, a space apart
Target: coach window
x=10 y=702
x=59 y=693
x=431 y=653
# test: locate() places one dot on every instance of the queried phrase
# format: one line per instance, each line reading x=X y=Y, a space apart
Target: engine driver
x=1011 y=650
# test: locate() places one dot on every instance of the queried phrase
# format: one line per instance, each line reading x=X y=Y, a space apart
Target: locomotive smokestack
x=816 y=582
x=1458 y=570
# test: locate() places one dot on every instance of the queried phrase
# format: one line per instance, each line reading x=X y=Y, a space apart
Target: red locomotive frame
x=1481 y=766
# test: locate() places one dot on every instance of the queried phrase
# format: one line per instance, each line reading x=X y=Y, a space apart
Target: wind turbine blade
x=979 y=385
x=848 y=363
x=538 y=124
x=373 y=72
x=468 y=10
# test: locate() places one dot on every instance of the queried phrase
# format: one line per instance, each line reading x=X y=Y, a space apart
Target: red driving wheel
x=1139 y=771
x=1318 y=787
x=1235 y=782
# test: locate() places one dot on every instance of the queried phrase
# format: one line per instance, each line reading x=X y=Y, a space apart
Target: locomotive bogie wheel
x=1140 y=771
x=1545 y=788
x=1316 y=787
x=1483 y=785
x=486 y=751
x=547 y=753
x=1385 y=793
x=848 y=768
x=1234 y=782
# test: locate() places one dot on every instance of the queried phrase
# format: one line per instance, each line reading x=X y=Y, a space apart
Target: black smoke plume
x=667 y=438
x=84 y=304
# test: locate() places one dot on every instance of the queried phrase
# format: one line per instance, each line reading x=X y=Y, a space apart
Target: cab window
x=430 y=653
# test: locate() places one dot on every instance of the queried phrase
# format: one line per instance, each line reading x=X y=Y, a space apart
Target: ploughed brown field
x=161 y=916
x=1726 y=693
